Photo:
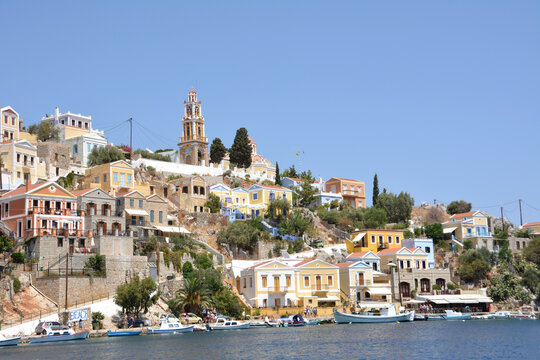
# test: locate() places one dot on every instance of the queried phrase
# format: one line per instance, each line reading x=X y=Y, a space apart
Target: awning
x=359 y=237
x=379 y=290
x=173 y=229
x=329 y=298
x=449 y=230
x=375 y=305
x=136 y=212
x=413 y=301
x=456 y=299
x=439 y=301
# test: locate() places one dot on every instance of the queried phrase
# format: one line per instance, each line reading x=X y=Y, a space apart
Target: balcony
x=278 y=289
x=57 y=232
x=320 y=288
x=51 y=211
x=193 y=138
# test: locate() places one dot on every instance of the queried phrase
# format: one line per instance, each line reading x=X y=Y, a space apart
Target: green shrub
x=97 y=317
x=18 y=258
x=187 y=269
x=16 y=285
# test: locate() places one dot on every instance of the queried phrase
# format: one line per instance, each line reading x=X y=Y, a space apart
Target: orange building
x=352 y=191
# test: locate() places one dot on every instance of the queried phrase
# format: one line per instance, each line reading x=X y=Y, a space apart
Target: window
x=428 y=249
x=306 y=280
x=373 y=239
x=389 y=239
x=18 y=157
x=131 y=203
x=401 y=264
x=129 y=179
x=244 y=283
x=13 y=121
x=104 y=178
x=160 y=216
x=75 y=149
x=18 y=174
x=122 y=179
x=255 y=196
x=250 y=282
x=28 y=224
x=330 y=280
x=96 y=180
x=115 y=177
x=140 y=204
x=152 y=215
x=60 y=242
x=288 y=280
x=118 y=202
x=408 y=264
x=374 y=265
x=381 y=240
x=88 y=147
x=397 y=239
x=44 y=224
x=264 y=281
x=5 y=119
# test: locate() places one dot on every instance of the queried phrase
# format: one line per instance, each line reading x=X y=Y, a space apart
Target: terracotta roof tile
x=537 y=223
x=388 y=251
x=346 y=264
x=462 y=215
x=21 y=190
x=261 y=263
x=304 y=262
x=357 y=254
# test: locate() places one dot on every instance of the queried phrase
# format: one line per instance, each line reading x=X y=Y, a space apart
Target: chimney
x=27 y=182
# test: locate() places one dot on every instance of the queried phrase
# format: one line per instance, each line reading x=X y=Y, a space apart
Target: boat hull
x=57 y=338
x=458 y=317
x=182 y=330
x=123 y=333
x=230 y=327
x=10 y=342
x=343 y=318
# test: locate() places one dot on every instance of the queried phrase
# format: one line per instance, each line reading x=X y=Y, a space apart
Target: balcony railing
x=27 y=233
x=52 y=211
x=277 y=289
x=189 y=138
x=320 y=287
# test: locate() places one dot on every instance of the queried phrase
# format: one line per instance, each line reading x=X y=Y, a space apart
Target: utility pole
x=130 y=140
x=502 y=218
x=520 y=214
x=67 y=263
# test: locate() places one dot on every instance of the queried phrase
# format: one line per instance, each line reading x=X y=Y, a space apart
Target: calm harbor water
x=477 y=339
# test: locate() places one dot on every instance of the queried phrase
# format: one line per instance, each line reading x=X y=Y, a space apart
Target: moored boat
x=14 y=341
x=170 y=325
x=226 y=324
x=385 y=316
x=67 y=335
x=312 y=322
x=455 y=315
x=125 y=332
x=293 y=320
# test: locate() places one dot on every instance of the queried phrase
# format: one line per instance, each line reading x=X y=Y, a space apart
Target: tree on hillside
x=375 y=189
x=474 y=265
x=306 y=192
x=6 y=244
x=434 y=215
x=137 y=295
x=297 y=224
x=192 y=297
x=398 y=207
x=374 y=218
x=278 y=207
x=278 y=177
x=239 y=234
x=240 y=152
x=434 y=231
x=457 y=207
x=290 y=173
x=104 y=155
x=532 y=251
x=213 y=203
x=45 y=131
x=217 y=151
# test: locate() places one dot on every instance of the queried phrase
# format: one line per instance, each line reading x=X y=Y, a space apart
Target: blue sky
x=440 y=98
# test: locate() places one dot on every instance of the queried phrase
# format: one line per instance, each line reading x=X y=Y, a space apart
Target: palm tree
x=191 y=297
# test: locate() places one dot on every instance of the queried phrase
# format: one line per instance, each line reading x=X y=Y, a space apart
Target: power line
x=116 y=126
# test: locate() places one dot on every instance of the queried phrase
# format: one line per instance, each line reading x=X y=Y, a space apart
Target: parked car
x=45 y=327
x=192 y=318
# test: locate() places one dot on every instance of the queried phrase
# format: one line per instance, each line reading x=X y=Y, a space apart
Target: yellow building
x=20 y=163
x=471 y=225
x=116 y=176
x=403 y=259
x=236 y=199
x=374 y=240
x=362 y=285
x=318 y=283
x=260 y=196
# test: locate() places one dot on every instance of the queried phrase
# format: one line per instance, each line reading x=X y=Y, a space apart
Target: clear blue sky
x=440 y=98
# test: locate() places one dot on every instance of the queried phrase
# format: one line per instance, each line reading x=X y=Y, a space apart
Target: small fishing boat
x=455 y=315
x=61 y=335
x=293 y=320
x=500 y=315
x=481 y=317
x=170 y=325
x=225 y=324
x=258 y=324
x=386 y=315
x=125 y=332
x=312 y=322
x=434 y=317
x=14 y=341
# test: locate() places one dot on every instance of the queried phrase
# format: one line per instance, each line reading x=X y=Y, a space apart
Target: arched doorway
x=405 y=289
x=441 y=283
x=424 y=286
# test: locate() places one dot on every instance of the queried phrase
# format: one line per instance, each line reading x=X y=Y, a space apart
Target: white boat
x=9 y=341
x=500 y=315
x=225 y=324
x=170 y=325
x=456 y=315
x=386 y=315
x=60 y=335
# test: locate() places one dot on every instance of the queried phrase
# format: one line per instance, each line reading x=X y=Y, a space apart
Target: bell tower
x=193 y=145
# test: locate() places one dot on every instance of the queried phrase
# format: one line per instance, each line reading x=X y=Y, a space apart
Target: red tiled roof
x=261 y=263
x=378 y=230
x=537 y=223
x=357 y=254
x=251 y=140
x=388 y=251
x=295 y=179
x=192 y=92
x=462 y=215
x=22 y=190
x=346 y=264
x=347 y=179
x=304 y=262
x=275 y=187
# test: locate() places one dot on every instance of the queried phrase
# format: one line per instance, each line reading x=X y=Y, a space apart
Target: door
x=19 y=229
x=71 y=245
x=318 y=282
x=361 y=279
x=277 y=303
x=276 y=283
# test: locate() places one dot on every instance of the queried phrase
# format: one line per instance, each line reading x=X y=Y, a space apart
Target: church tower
x=193 y=145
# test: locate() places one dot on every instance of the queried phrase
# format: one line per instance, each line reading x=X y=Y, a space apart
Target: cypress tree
x=278 y=177
x=217 y=151
x=375 y=189
x=240 y=152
